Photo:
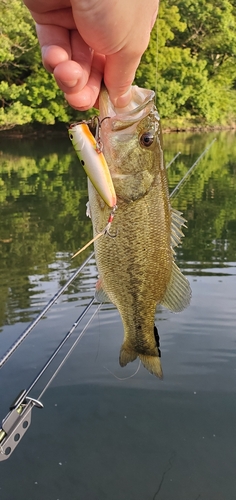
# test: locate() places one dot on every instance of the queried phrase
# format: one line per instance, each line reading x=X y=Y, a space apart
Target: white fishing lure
x=93 y=161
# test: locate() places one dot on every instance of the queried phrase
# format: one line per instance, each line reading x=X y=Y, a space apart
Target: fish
x=136 y=260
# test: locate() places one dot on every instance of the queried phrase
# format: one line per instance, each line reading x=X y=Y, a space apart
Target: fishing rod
x=32 y=325
x=173 y=159
x=191 y=168
x=18 y=420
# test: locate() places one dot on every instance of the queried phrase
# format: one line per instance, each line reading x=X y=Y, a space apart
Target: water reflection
x=43 y=195
x=168 y=441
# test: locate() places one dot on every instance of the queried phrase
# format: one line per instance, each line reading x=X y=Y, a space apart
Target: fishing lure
x=89 y=151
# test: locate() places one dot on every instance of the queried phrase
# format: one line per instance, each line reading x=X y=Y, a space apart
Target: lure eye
x=71 y=136
x=146 y=139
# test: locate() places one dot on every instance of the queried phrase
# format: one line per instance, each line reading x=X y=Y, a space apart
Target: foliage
x=193 y=72
x=190 y=62
x=28 y=93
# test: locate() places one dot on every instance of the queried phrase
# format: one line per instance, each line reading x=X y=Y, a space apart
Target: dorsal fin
x=178 y=293
x=177 y=221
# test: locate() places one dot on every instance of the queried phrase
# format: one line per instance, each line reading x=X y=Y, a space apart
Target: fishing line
x=124 y=378
x=156 y=57
x=98 y=338
x=32 y=325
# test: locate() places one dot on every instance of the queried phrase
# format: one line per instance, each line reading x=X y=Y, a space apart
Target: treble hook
x=107 y=228
x=111 y=235
x=96 y=123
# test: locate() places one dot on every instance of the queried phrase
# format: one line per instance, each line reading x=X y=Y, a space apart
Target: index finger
x=119 y=74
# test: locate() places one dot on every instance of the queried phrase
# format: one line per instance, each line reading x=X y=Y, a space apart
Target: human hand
x=85 y=41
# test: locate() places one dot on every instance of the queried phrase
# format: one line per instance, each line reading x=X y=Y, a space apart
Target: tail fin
x=151 y=363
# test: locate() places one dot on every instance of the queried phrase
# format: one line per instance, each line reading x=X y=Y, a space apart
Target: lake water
x=99 y=437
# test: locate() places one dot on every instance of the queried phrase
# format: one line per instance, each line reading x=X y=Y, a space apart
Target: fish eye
x=146 y=139
x=71 y=136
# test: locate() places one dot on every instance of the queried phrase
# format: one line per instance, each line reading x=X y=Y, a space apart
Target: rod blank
x=26 y=332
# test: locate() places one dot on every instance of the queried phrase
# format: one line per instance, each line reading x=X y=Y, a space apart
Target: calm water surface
x=99 y=437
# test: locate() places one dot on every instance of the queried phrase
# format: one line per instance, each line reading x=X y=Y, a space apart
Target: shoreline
x=52 y=131
x=205 y=128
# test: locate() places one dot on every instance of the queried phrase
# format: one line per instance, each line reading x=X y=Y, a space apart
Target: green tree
x=18 y=51
x=28 y=93
x=210 y=31
x=190 y=59
x=190 y=63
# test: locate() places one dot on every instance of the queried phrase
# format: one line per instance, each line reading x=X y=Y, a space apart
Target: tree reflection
x=208 y=199
x=43 y=193
x=43 y=196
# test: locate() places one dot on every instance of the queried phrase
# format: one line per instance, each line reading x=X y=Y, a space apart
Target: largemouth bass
x=136 y=259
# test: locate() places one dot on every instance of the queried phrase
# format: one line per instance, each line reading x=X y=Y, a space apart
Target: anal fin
x=178 y=293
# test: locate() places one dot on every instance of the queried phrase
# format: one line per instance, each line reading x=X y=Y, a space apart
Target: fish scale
x=136 y=266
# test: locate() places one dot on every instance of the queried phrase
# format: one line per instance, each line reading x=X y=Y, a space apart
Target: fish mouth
x=141 y=104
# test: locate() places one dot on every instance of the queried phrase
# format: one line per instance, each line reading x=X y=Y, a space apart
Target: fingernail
x=123 y=100
x=70 y=83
